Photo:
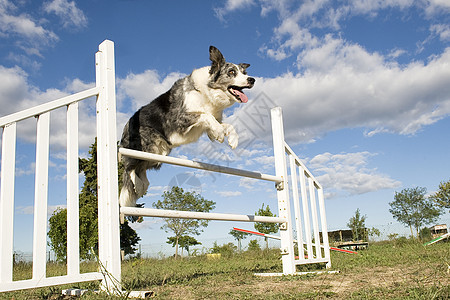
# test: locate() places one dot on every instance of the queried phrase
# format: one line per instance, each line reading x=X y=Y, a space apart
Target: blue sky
x=364 y=87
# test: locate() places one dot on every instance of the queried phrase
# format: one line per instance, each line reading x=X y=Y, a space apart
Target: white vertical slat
x=312 y=198
x=40 y=197
x=7 y=202
x=73 y=243
x=306 y=219
x=323 y=222
x=109 y=235
x=297 y=214
x=286 y=234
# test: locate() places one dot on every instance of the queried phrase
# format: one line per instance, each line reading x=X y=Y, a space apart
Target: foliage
x=88 y=216
x=253 y=246
x=425 y=234
x=225 y=250
x=384 y=271
x=357 y=224
x=374 y=232
x=239 y=235
x=266 y=228
x=128 y=238
x=442 y=196
x=178 y=199
x=58 y=233
x=184 y=241
x=413 y=209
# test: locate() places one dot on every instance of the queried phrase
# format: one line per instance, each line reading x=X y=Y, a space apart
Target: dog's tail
x=128 y=196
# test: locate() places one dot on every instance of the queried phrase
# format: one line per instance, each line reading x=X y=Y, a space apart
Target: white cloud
x=22 y=25
x=433 y=7
x=28 y=170
x=157 y=188
x=71 y=16
x=17 y=94
x=348 y=174
x=148 y=223
x=345 y=87
x=144 y=87
x=228 y=193
x=29 y=210
x=260 y=162
x=232 y=5
x=247 y=183
x=441 y=30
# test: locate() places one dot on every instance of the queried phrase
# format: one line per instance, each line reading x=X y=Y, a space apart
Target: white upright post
x=40 y=197
x=73 y=226
x=323 y=222
x=286 y=234
x=108 y=204
x=307 y=223
x=297 y=214
x=7 y=202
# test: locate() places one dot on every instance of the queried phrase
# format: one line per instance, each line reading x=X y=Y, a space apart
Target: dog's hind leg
x=128 y=195
x=144 y=180
x=138 y=184
x=140 y=181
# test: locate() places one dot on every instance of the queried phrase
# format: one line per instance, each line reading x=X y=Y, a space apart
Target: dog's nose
x=251 y=80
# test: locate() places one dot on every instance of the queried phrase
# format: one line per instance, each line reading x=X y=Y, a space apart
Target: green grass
x=384 y=271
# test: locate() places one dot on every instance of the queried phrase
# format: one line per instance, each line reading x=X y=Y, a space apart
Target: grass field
x=387 y=270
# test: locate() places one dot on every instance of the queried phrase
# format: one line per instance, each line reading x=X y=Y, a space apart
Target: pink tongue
x=241 y=95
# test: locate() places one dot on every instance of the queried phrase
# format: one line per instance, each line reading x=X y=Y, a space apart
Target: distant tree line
x=414 y=209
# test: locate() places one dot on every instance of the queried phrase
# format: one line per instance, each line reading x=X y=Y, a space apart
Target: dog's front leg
x=233 y=138
x=213 y=128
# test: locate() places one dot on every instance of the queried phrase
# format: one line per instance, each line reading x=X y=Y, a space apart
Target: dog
x=194 y=105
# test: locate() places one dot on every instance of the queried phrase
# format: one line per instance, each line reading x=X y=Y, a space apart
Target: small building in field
x=344 y=239
x=438 y=230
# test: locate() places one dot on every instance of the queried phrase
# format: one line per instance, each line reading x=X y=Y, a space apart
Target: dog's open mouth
x=237 y=92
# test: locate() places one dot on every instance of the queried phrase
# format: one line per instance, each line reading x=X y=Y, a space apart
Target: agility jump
x=294 y=185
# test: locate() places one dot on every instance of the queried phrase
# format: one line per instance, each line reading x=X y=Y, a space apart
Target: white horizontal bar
x=197 y=165
x=48 y=281
x=296 y=273
x=40 y=109
x=311 y=261
x=163 y=213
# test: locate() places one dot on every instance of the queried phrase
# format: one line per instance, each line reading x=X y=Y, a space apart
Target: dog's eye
x=232 y=72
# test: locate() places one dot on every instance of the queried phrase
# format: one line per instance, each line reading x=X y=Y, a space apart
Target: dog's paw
x=233 y=138
x=217 y=134
x=233 y=141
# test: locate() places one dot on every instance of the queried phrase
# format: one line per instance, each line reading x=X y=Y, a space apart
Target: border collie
x=193 y=106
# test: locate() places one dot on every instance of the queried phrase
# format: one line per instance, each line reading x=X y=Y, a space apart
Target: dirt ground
x=373 y=283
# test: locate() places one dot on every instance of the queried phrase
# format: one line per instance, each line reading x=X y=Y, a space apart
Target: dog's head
x=229 y=77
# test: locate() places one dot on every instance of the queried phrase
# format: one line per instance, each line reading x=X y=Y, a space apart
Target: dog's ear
x=244 y=66
x=217 y=59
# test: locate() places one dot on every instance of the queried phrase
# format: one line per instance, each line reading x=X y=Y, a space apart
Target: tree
x=373 y=232
x=442 y=196
x=184 y=242
x=413 y=209
x=357 y=224
x=177 y=199
x=239 y=235
x=253 y=246
x=266 y=228
x=88 y=218
x=225 y=250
